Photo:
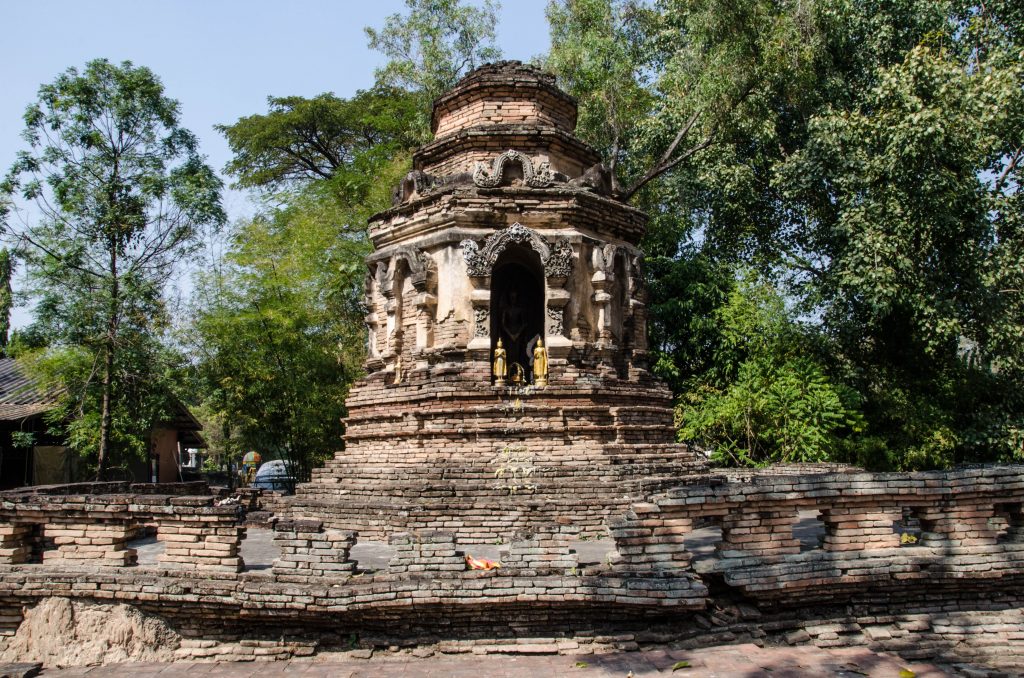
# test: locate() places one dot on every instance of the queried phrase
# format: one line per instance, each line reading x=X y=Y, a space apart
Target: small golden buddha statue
x=500 y=368
x=540 y=364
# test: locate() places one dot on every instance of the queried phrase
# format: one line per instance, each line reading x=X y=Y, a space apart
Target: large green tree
x=863 y=156
x=114 y=193
x=300 y=141
x=278 y=327
x=909 y=200
x=278 y=319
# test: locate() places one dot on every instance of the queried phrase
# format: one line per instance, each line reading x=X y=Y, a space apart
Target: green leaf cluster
x=278 y=324
x=110 y=195
x=301 y=140
x=765 y=397
x=275 y=327
x=864 y=158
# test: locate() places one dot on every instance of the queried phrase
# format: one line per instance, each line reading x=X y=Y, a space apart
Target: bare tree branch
x=1009 y=168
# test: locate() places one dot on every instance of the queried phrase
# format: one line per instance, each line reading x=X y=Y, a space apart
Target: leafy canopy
x=863 y=157
x=300 y=140
x=766 y=398
x=109 y=196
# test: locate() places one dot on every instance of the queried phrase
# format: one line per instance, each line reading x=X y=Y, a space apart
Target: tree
x=767 y=398
x=434 y=45
x=911 y=198
x=660 y=84
x=118 y=194
x=863 y=156
x=278 y=327
x=7 y=266
x=302 y=140
x=278 y=323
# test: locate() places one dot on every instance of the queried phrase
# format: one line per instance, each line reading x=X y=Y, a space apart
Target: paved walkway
x=726 y=661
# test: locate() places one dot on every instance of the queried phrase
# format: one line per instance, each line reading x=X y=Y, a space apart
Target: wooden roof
x=20 y=396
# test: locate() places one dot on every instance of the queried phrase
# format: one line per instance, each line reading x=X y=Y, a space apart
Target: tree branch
x=1009 y=168
x=664 y=163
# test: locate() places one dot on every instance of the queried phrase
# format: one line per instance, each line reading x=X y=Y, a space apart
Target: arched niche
x=517 y=305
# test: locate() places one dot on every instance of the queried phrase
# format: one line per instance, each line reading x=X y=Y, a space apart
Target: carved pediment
x=556 y=258
x=540 y=176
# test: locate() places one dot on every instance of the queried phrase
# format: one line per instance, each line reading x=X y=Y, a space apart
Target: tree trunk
x=109 y=341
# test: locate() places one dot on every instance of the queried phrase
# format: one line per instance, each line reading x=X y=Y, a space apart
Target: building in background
x=31 y=455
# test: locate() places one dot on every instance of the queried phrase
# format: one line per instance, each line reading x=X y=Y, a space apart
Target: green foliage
x=147 y=375
x=278 y=320
x=326 y=137
x=432 y=46
x=602 y=50
x=684 y=332
x=911 y=197
x=119 y=194
x=863 y=156
x=661 y=83
x=279 y=328
x=23 y=439
x=766 y=399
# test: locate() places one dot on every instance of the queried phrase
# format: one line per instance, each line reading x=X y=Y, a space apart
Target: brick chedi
x=506 y=230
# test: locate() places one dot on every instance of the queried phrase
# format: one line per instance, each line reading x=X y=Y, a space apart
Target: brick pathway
x=727 y=661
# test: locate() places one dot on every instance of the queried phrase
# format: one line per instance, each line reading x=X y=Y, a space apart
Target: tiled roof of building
x=20 y=396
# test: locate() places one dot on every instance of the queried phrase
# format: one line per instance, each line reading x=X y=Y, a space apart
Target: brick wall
x=94 y=530
x=956 y=592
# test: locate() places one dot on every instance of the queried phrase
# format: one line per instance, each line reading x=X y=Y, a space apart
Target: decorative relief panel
x=490 y=177
x=556 y=324
x=557 y=258
x=559 y=263
x=481 y=319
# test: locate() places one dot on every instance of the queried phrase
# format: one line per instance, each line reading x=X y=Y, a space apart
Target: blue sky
x=219 y=58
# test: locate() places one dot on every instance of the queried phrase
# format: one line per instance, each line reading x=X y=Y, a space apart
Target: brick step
x=498 y=505
x=624 y=469
x=610 y=452
x=616 y=473
x=596 y=466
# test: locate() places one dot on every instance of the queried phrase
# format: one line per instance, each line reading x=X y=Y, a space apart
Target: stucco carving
x=415 y=182
x=559 y=263
x=556 y=315
x=476 y=265
x=481 y=318
x=556 y=259
x=603 y=260
x=489 y=177
x=636 y=276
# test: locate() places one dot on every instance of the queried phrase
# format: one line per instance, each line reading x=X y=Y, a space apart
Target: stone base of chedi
x=444 y=451
x=717 y=561
x=507 y=381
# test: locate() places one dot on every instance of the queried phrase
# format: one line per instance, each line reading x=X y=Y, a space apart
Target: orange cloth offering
x=481 y=563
